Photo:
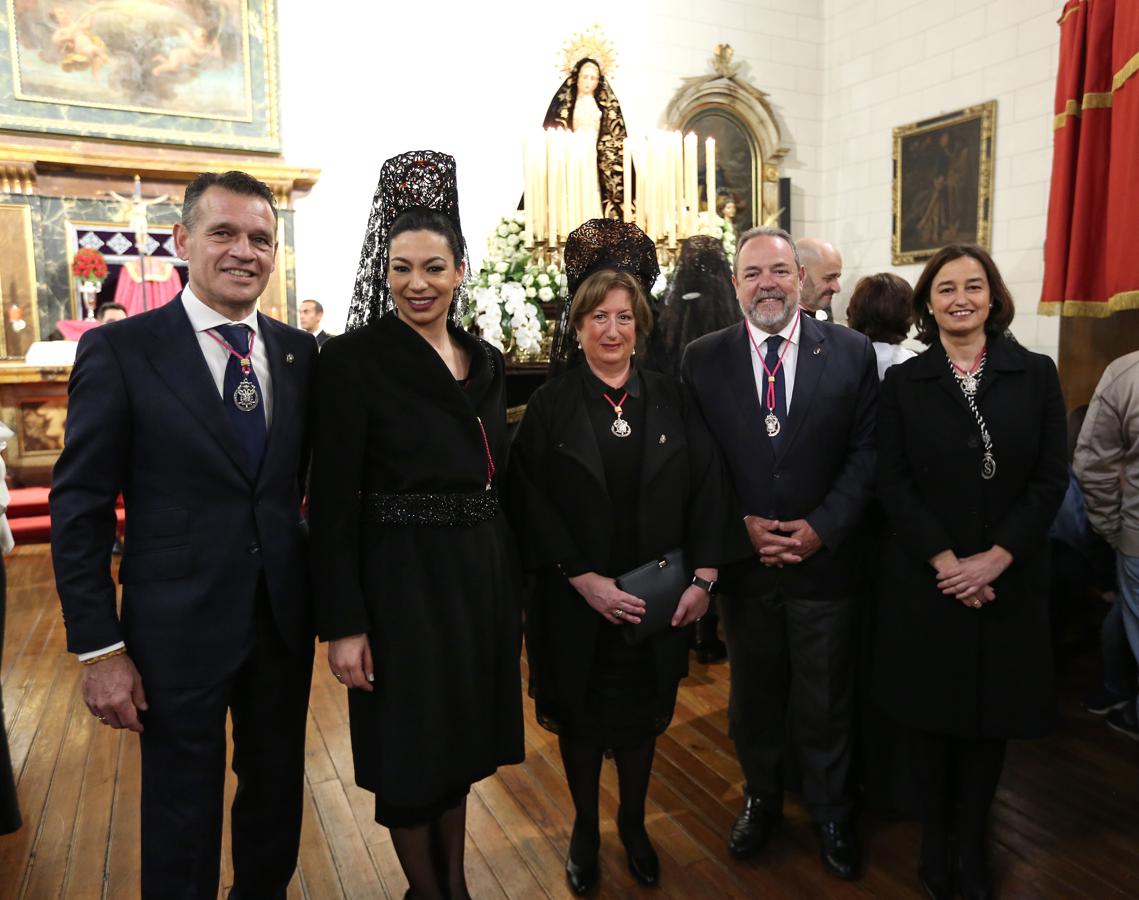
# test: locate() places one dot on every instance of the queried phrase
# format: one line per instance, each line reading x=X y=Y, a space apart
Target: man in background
x=309 y=315
x=1107 y=466
x=110 y=312
x=823 y=264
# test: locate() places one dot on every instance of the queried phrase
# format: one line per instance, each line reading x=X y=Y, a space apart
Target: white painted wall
x=473 y=78
x=892 y=62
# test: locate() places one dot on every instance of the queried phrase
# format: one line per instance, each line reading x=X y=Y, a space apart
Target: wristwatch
x=710 y=586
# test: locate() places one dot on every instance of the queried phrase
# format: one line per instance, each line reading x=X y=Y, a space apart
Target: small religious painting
x=199 y=72
x=943 y=182
x=42 y=424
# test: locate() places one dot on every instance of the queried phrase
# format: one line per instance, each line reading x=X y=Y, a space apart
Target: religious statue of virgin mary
x=586 y=102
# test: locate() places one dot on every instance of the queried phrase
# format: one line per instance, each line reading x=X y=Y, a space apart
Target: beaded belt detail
x=464 y=510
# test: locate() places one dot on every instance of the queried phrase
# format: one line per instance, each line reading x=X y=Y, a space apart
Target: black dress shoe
x=752 y=827
x=581 y=877
x=936 y=887
x=974 y=879
x=643 y=860
x=839 y=850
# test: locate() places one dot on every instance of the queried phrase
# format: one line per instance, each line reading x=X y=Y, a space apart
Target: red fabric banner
x=1091 y=267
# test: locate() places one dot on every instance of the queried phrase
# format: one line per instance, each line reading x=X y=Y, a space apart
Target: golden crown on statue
x=592 y=43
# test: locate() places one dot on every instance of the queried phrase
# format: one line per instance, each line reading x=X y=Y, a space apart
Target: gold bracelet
x=102 y=656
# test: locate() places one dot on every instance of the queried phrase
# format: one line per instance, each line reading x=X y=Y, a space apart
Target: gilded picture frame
x=182 y=72
x=943 y=183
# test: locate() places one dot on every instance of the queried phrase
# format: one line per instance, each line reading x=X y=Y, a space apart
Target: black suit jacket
x=825 y=467
x=145 y=419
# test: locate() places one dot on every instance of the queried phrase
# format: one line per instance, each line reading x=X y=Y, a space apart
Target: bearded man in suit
x=791 y=402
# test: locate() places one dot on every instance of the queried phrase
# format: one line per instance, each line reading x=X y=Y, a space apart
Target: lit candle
x=710 y=173
x=691 y=191
x=551 y=188
x=627 y=172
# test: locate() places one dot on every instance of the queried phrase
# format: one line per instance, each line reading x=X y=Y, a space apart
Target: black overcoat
x=439 y=604
x=941 y=666
x=560 y=510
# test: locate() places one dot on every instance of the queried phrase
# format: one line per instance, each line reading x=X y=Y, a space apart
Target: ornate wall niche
x=749 y=145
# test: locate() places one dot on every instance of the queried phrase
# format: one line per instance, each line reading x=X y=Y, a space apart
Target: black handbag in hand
x=660 y=583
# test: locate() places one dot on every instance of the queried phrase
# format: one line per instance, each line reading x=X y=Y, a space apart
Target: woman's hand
x=974 y=572
x=693 y=604
x=979 y=599
x=350 y=660
x=606 y=598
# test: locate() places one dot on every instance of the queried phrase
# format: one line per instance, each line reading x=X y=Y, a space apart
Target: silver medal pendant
x=620 y=427
x=988 y=466
x=245 y=396
x=969 y=384
x=772 y=423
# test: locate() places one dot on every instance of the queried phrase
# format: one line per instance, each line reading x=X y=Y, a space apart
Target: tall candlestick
x=551 y=189
x=691 y=192
x=710 y=173
x=627 y=173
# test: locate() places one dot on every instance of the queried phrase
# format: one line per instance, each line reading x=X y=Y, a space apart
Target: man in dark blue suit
x=196 y=413
x=791 y=402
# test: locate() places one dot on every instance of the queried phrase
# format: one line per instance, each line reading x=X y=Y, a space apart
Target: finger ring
x=102 y=718
x=619 y=613
x=337 y=674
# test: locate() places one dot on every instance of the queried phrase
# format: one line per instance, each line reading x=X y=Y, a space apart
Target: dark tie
x=248 y=426
x=774 y=344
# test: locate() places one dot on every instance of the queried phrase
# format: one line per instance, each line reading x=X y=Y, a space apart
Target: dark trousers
x=183 y=775
x=956 y=780
x=792 y=667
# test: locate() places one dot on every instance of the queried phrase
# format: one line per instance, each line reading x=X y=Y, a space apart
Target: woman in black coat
x=971 y=471
x=415 y=581
x=612 y=467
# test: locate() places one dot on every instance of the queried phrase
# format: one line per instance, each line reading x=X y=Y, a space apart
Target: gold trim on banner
x=1068 y=13
x=1095 y=309
x=1129 y=68
x=1097 y=99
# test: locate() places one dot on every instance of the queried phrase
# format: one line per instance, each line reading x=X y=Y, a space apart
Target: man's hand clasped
x=781 y=544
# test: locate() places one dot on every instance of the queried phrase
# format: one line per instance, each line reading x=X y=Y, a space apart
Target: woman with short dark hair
x=881 y=307
x=971 y=471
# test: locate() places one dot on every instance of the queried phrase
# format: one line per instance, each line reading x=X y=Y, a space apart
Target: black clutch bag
x=660 y=583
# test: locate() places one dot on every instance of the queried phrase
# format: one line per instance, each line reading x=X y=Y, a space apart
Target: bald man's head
x=824 y=269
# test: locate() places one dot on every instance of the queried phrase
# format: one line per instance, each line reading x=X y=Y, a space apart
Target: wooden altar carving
x=726 y=106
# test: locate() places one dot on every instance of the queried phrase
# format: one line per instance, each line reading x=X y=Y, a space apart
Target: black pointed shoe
x=581 y=877
x=643 y=860
x=752 y=827
x=838 y=850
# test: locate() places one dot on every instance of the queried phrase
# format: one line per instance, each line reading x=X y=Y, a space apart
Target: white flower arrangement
x=509 y=290
x=718 y=227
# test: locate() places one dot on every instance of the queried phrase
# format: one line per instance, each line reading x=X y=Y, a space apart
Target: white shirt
x=202 y=320
x=890 y=355
x=790 y=358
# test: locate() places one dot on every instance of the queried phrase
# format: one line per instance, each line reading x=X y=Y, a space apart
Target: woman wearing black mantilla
x=612 y=467
x=416 y=586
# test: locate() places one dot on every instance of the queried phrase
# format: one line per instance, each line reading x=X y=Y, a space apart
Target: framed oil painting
x=943 y=182
x=194 y=72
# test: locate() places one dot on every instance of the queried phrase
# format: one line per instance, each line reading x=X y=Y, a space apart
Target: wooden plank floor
x=1066 y=821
